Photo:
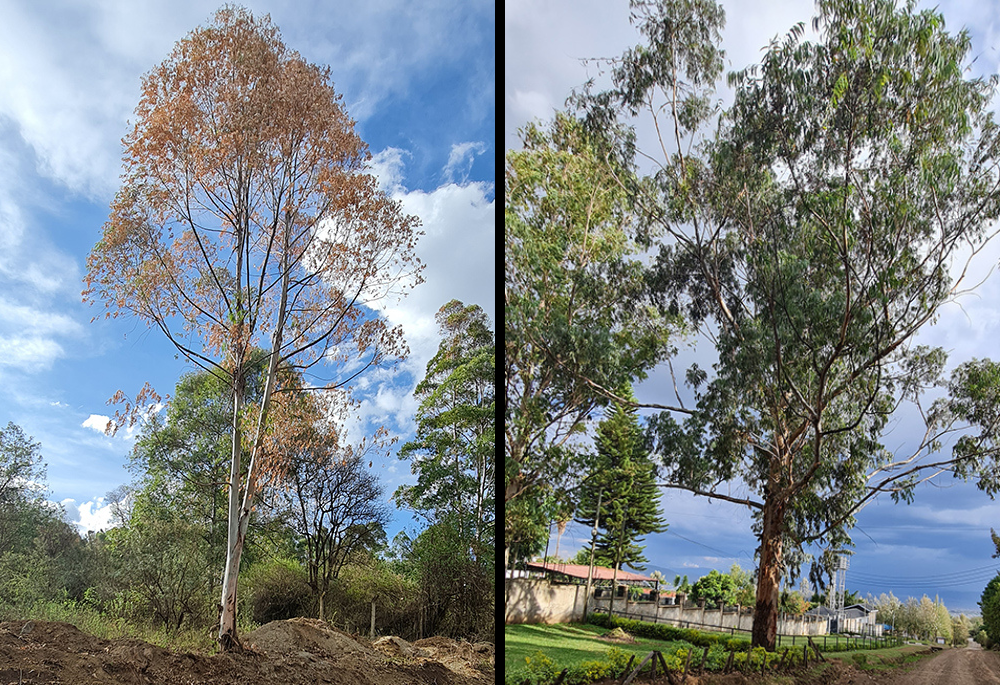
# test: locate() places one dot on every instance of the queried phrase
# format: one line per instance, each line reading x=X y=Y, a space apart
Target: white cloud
x=458 y=246
x=460 y=160
x=25 y=318
x=97 y=422
x=458 y=249
x=95 y=515
x=29 y=353
x=387 y=167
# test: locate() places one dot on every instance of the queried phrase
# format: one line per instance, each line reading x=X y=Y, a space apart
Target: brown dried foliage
x=245 y=223
x=244 y=209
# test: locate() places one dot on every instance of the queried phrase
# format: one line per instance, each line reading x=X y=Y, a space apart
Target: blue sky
x=939 y=545
x=417 y=77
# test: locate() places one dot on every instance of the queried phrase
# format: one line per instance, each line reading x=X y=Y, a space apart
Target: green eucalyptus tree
x=575 y=305
x=454 y=451
x=989 y=605
x=810 y=236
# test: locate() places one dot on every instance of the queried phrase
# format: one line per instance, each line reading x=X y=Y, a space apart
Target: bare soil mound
x=296 y=652
x=461 y=657
x=618 y=635
x=302 y=635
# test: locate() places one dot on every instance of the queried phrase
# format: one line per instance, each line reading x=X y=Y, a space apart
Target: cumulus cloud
x=387 y=167
x=458 y=246
x=458 y=250
x=95 y=515
x=97 y=422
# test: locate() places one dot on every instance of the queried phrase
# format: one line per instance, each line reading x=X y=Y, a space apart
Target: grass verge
x=883 y=659
x=568 y=644
x=92 y=622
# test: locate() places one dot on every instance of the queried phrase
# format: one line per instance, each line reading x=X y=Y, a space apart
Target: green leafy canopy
x=811 y=234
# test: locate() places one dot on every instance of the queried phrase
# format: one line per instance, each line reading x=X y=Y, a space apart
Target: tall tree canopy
x=334 y=504
x=245 y=221
x=811 y=236
x=454 y=451
x=22 y=487
x=573 y=302
x=182 y=454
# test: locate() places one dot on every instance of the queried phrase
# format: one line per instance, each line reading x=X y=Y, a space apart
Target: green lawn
x=567 y=644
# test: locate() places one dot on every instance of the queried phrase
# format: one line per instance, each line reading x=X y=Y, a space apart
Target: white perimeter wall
x=539 y=601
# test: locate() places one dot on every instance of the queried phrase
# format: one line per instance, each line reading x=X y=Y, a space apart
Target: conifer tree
x=624 y=479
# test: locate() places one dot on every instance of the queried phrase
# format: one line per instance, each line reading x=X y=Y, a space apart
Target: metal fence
x=823 y=642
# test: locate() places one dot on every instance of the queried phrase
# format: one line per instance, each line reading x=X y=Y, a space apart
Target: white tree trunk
x=234 y=542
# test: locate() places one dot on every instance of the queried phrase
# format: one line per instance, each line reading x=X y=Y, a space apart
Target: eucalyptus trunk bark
x=241 y=499
x=228 y=639
x=765 y=618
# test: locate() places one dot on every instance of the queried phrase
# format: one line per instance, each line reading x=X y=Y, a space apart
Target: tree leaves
x=810 y=237
x=453 y=453
x=246 y=222
x=576 y=319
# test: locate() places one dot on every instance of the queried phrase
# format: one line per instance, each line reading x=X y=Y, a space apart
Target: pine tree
x=624 y=479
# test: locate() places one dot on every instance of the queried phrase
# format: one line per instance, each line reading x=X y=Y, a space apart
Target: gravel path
x=971 y=666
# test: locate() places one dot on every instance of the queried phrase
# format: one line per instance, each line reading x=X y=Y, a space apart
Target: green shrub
x=717 y=656
x=397 y=600
x=737 y=644
x=755 y=659
x=277 y=590
x=539 y=669
x=668 y=633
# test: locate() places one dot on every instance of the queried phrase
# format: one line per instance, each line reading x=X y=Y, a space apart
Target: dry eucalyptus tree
x=811 y=232
x=245 y=221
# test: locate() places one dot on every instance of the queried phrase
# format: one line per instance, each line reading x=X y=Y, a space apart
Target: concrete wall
x=539 y=601
x=533 y=600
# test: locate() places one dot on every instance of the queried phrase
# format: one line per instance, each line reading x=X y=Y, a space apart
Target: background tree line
x=319 y=546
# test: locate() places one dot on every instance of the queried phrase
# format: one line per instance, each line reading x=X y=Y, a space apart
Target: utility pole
x=593 y=543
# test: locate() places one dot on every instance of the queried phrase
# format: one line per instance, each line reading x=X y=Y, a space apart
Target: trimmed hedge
x=662 y=631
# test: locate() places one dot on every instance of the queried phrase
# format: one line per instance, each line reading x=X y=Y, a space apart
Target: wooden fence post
x=634 y=673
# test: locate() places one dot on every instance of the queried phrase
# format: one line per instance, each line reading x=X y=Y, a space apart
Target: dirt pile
x=461 y=657
x=293 y=652
x=618 y=635
x=302 y=635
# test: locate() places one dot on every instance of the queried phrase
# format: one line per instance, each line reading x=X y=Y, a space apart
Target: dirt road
x=970 y=666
